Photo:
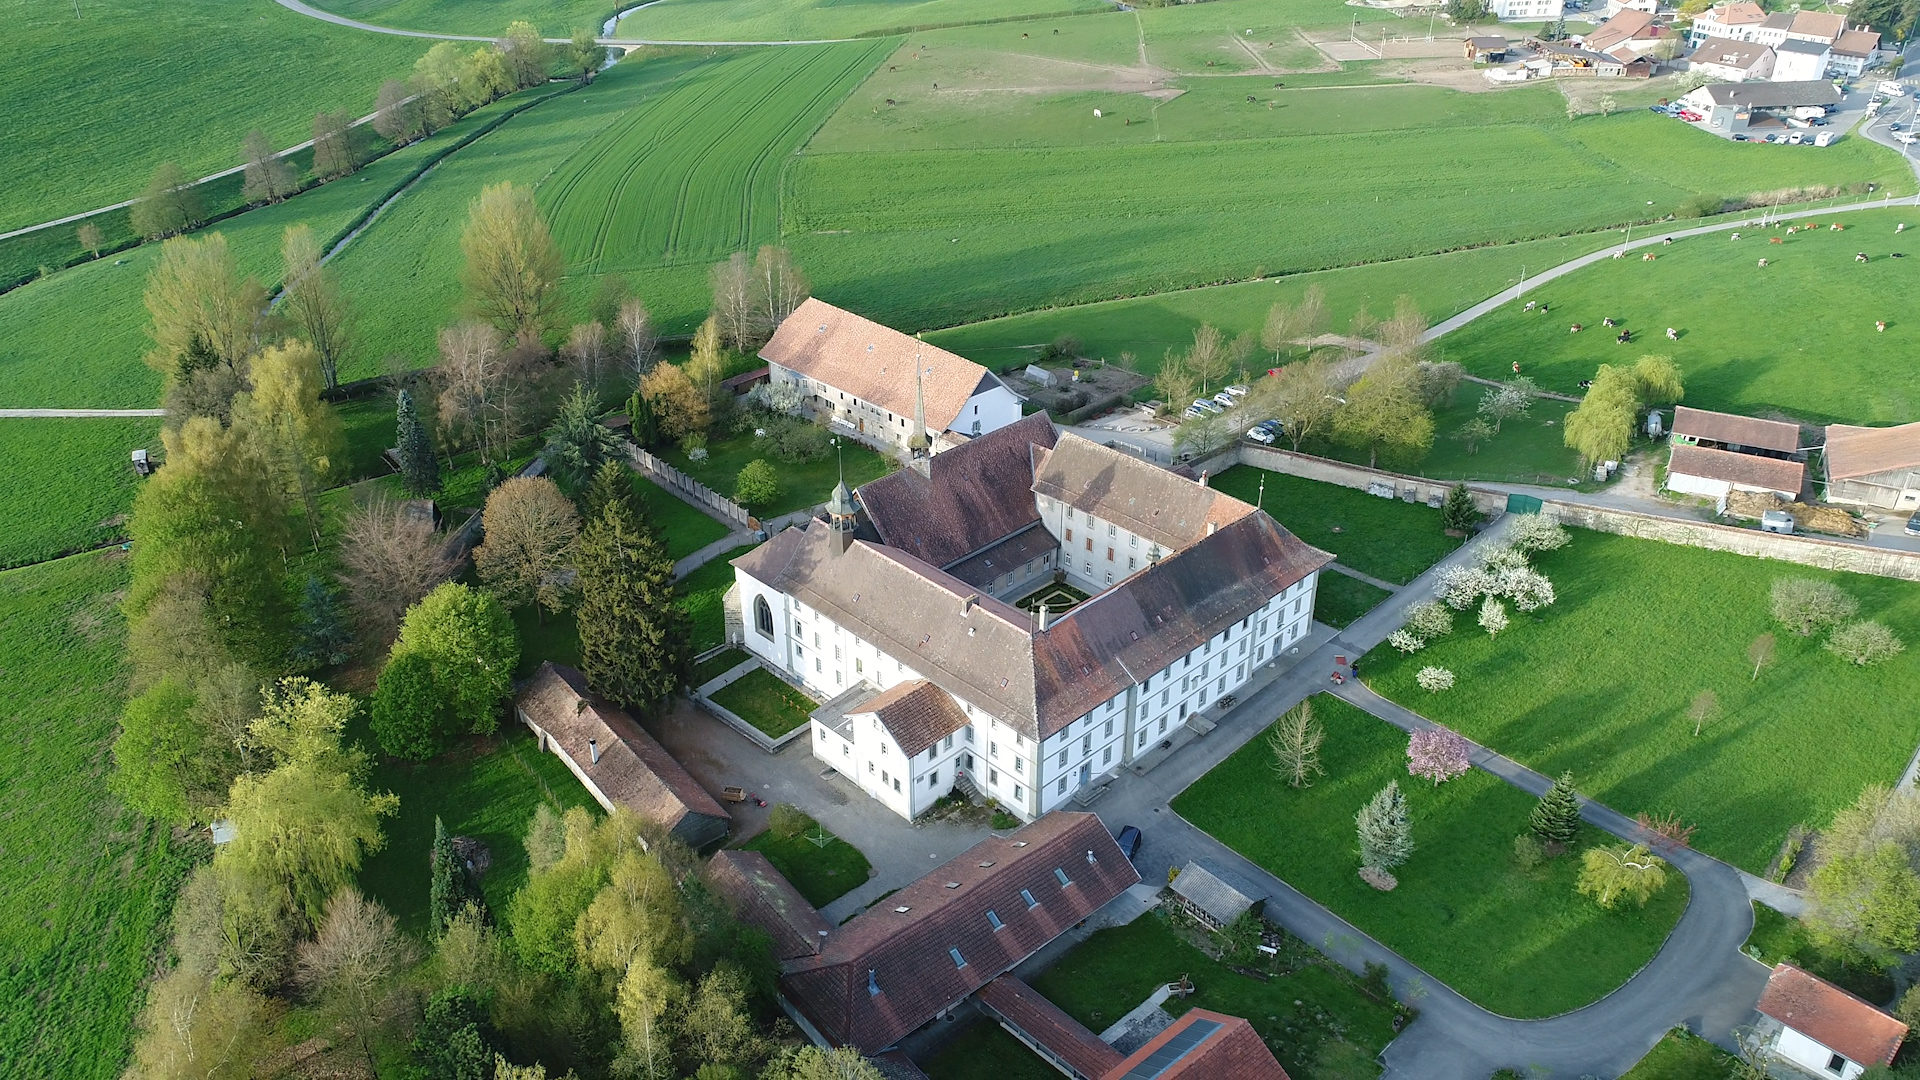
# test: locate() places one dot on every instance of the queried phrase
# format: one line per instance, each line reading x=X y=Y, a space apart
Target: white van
x=1824 y=138
x=1892 y=89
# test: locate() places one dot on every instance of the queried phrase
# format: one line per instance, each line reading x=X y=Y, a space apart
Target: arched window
x=762 y=617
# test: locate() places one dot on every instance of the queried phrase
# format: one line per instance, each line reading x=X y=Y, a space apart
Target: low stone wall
x=1361 y=478
x=1805 y=550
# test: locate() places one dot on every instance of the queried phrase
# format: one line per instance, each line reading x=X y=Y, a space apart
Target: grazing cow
x=1776 y=240
x=1531 y=304
x=1900 y=228
x=1666 y=241
x=1608 y=321
x=1516 y=363
x=1837 y=227
x=1763 y=264
x=1880 y=326
x=1619 y=254
x=1672 y=334
x=1574 y=329
x=1736 y=236
x=1897 y=255
x=1625 y=336
x=1859 y=256
x=1586 y=384
x=1543 y=309
x=1648 y=257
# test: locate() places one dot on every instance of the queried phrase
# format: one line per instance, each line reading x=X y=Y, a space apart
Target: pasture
x=86 y=887
x=1599 y=684
x=69 y=483
x=555 y=18
x=811 y=20
x=1794 y=339
x=1540 y=948
x=97 y=102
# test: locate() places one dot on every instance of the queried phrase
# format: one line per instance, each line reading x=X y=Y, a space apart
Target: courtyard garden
x=1541 y=947
x=1338 y=599
x=985 y=1051
x=760 y=698
x=1600 y=683
x=1383 y=538
x=819 y=864
x=803 y=484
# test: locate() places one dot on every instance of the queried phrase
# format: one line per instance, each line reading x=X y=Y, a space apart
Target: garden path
x=1349 y=571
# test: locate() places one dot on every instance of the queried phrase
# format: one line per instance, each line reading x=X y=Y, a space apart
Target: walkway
x=23 y=414
x=1348 y=571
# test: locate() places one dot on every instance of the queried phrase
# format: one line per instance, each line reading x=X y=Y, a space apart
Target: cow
x=1608 y=321
x=1574 y=329
x=1672 y=334
x=1880 y=326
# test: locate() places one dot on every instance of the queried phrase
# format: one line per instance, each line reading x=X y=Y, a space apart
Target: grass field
x=807 y=20
x=823 y=872
x=1682 y=1055
x=802 y=484
x=1338 y=600
x=1317 y=1022
x=761 y=699
x=1385 y=538
x=69 y=483
x=701 y=596
x=1779 y=938
x=1541 y=948
x=984 y=1051
x=1530 y=449
x=682 y=528
x=1799 y=341
x=555 y=18
x=1599 y=682
x=86 y=886
x=96 y=103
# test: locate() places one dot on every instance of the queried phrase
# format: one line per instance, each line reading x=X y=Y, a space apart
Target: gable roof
x=1737 y=13
x=973 y=495
x=888 y=971
x=1202 y=1045
x=634 y=770
x=1749 y=470
x=1804 y=47
x=1734 y=54
x=1831 y=1017
x=1821 y=24
x=916 y=713
x=1736 y=430
x=1198 y=886
x=875 y=363
x=1856 y=43
x=1631 y=23
x=1046 y=1023
x=762 y=897
x=1165 y=508
x=1771 y=95
x=1862 y=451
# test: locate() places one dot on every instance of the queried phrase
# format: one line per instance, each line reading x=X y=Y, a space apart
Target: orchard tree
x=513 y=267
x=1864 y=643
x=1493 y=616
x=530 y=525
x=1295 y=743
x=1503 y=403
x=1804 y=605
x=758 y=484
x=1438 y=754
x=1760 y=654
x=1702 y=710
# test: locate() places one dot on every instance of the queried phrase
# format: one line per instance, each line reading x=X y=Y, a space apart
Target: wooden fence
x=688 y=488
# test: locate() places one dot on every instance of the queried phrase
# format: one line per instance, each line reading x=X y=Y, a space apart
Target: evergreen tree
x=407 y=716
x=644 y=424
x=419 y=468
x=612 y=483
x=453 y=1040
x=1386 y=833
x=1556 y=817
x=633 y=635
x=448 y=893
x=1458 y=514
x=322 y=636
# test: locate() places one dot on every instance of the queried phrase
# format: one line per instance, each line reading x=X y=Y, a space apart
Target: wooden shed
x=1208 y=899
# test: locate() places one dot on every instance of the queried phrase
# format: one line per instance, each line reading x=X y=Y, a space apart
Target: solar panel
x=1176 y=1048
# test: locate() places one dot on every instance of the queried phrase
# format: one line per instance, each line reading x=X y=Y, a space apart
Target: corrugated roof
x=1750 y=470
x=875 y=363
x=762 y=897
x=1854 y=452
x=1831 y=1017
x=1202 y=1045
x=1199 y=887
x=974 y=495
x=1137 y=495
x=888 y=971
x=1044 y=1022
x=916 y=713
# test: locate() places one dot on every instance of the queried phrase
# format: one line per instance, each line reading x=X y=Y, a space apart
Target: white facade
x=989 y=410
x=1814 y=1057
x=1792 y=65
x=1527 y=10
x=1852 y=65
x=1615 y=7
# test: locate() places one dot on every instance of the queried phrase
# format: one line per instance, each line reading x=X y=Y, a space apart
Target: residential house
x=1211 y=901
x=620 y=765
x=1738 y=20
x=1734 y=107
x=882 y=386
x=1874 y=467
x=1526 y=10
x=1615 y=7
x=1854 y=51
x=1799 y=60
x=1825 y=1030
x=898 y=610
x=1202 y=1045
x=1632 y=30
x=1817 y=27
x=1732 y=61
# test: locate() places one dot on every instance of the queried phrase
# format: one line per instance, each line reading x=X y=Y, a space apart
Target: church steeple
x=919 y=445
x=842 y=511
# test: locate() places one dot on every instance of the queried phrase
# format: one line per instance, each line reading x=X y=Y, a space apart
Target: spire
x=918 y=444
x=840 y=504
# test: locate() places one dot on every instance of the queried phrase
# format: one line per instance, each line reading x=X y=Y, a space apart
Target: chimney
x=966 y=604
x=593 y=750
x=1203 y=478
x=1043 y=617
x=1211 y=526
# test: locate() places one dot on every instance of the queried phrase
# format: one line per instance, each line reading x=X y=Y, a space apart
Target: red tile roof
x=1044 y=1022
x=916 y=713
x=1831 y=1017
x=972 y=496
x=1853 y=452
x=1747 y=431
x=1747 y=470
x=762 y=897
x=888 y=971
x=875 y=363
x=1232 y=1049
x=1856 y=43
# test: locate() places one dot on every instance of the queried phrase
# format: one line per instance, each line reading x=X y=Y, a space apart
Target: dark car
x=1129 y=841
x=1913 y=524
x=1739 y=138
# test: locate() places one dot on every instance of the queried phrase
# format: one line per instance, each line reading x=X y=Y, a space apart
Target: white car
x=1225 y=400
x=1208 y=404
x=1260 y=435
x=1195 y=412
x=1237 y=390
x=1907 y=137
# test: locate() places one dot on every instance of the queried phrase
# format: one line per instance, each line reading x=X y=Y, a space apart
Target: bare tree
x=205 y=312
x=1704 y=707
x=586 y=352
x=390 y=558
x=480 y=385
x=350 y=964
x=396 y=114
x=168 y=207
x=334 y=152
x=779 y=286
x=267 y=178
x=1277 y=334
x=313 y=301
x=637 y=341
x=530 y=526
x=1295 y=742
x=1210 y=358
x=91 y=240
x=1303 y=397
x=1760 y=654
x=1175 y=381
x=733 y=307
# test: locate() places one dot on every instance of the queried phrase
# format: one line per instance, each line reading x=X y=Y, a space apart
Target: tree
x=633 y=636
x=635 y=327
x=396 y=113
x=204 y=310
x=1760 y=654
x=419 y=466
x=1866 y=902
x=1303 y=397
x=1621 y=872
x=778 y=286
x=529 y=526
x=1804 y=605
x=334 y=152
x=1864 y=643
x=586 y=352
x=1295 y=742
x=468 y=638
x=1657 y=380
x=1459 y=513
x=1530 y=533
x=1386 y=833
x=351 y=964
x=1702 y=710
x=295 y=433
x=1601 y=427
x=735 y=316
x=480 y=389
x=513 y=267
x=527 y=54
x=406 y=715
x=577 y=442
x=1493 y=616
x=168 y=207
x=1201 y=436
x=584 y=56
x=1439 y=381
x=267 y=177
x=1438 y=755
x=1466 y=11
x=312 y=300
x=679 y=407
x=1384 y=413
x=707 y=362
x=758 y=484
x=452 y=1040
x=717 y=1026
x=1277 y=334
x=636 y=915
x=1501 y=403
x=90 y=238
x=1430 y=620
x=1209 y=358
x=390 y=558
x=1434 y=679
x=649 y=1002
x=813 y=1063
x=447 y=891
x=435 y=86
x=159 y=755
x=1474 y=432
x=1556 y=817
x=322 y=638
x=1175 y=381
x=195 y=1027
x=484 y=76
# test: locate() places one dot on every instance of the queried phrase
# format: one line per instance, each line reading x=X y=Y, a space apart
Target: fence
x=693 y=491
x=1362 y=478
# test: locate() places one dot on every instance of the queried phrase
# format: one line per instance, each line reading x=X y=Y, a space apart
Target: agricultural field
x=86 y=886
x=1599 y=684
x=808 y=20
x=1540 y=948
x=555 y=18
x=1799 y=342
x=97 y=102
x=69 y=483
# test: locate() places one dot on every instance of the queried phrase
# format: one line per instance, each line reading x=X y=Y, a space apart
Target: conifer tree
x=1556 y=817
x=419 y=468
x=448 y=892
x=1458 y=513
x=1386 y=833
x=633 y=635
x=612 y=483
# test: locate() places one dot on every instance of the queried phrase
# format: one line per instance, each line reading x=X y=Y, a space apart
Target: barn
x=1874 y=467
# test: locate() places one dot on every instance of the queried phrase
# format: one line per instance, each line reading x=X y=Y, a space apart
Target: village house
x=1825 y=1030
x=1854 y=51
x=1736 y=21
x=1633 y=31
x=1733 y=61
x=1526 y=10
x=899 y=610
x=1798 y=60
x=1615 y=7
x=1817 y=27
x=1736 y=107
x=882 y=386
x=1874 y=467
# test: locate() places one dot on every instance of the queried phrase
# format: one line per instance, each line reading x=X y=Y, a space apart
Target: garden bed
x=760 y=698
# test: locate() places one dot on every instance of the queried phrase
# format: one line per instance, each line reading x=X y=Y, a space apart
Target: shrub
x=1805 y=604
x=1064 y=347
x=787 y=821
x=1493 y=617
x=1864 y=643
x=757 y=485
x=1434 y=679
x=1373 y=979
x=1430 y=620
x=1700 y=206
x=1460 y=586
x=1528 y=852
x=1621 y=873
x=1537 y=532
x=1406 y=641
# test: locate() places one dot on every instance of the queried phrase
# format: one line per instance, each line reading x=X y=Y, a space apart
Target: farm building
x=1570 y=60
x=1734 y=61
x=1740 y=434
x=1738 y=20
x=1212 y=902
x=617 y=761
x=1632 y=30
x=1698 y=470
x=1854 y=51
x=882 y=386
x=763 y=898
x=1203 y=1043
x=1796 y=60
x=1148 y=597
x=1734 y=107
x=1059 y=1039
x=1487 y=50
x=1875 y=467
x=1825 y=1030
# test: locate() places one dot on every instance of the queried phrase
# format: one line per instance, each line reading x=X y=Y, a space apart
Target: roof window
x=958 y=960
x=1028 y=897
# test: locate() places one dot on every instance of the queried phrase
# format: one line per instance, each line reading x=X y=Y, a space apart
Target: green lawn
x=555 y=18
x=1313 y=1016
x=486 y=789
x=984 y=1051
x=1682 y=1055
x=87 y=886
x=1530 y=449
x=1385 y=538
x=802 y=484
x=823 y=872
x=1599 y=682
x=782 y=20
x=761 y=699
x=1541 y=948
x=1775 y=351
x=69 y=483
x=702 y=594
x=683 y=527
x=1778 y=938
x=719 y=664
x=1338 y=600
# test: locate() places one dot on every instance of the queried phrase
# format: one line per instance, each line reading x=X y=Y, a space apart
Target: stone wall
x=1359 y=477
x=1805 y=550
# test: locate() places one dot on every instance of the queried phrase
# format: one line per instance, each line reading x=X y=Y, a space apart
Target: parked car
x=1737 y=137
x=1129 y=841
x=1195 y=412
x=1237 y=390
x=1895 y=126
x=1770 y=137
x=1907 y=137
x=1819 y=121
x=1913 y=524
x=1208 y=404
x=1225 y=400
x=1271 y=427
x=1260 y=435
